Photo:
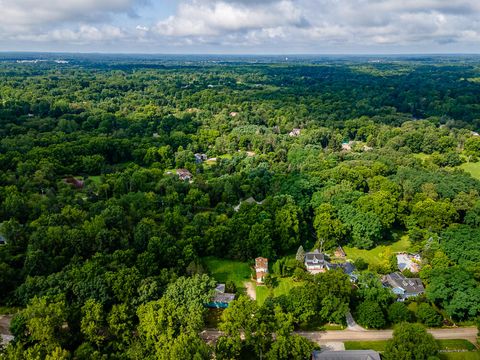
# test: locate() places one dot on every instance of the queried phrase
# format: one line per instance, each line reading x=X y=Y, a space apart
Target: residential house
x=347 y=267
x=294 y=132
x=199 y=158
x=402 y=286
x=233 y=113
x=409 y=262
x=220 y=299
x=346 y=355
x=347 y=146
x=77 y=184
x=315 y=262
x=261 y=269
x=184 y=174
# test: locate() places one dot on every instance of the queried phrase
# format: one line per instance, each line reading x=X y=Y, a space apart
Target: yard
x=380 y=253
x=463 y=347
x=284 y=286
x=228 y=270
x=472 y=168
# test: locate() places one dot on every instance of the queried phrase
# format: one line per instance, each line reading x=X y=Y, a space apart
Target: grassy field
x=472 y=168
x=380 y=253
x=470 y=355
x=455 y=344
x=284 y=286
x=379 y=345
x=228 y=270
x=451 y=344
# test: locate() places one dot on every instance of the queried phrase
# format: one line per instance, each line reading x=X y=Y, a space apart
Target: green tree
x=410 y=341
x=398 y=312
x=328 y=227
x=93 y=323
x=428 y=316
x=370 y=315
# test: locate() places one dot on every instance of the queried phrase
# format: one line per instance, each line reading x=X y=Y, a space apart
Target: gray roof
x=220 y=297
x=410 y=285
x=314 y=258
x=220 y=288
x=347 y=267
x=346 y=355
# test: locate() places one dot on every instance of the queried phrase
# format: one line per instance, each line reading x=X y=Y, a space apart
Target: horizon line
x=238 y=54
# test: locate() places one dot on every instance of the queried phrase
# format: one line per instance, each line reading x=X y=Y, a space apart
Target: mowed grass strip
x=380 y=345
x=470 y=355
x=224 y=270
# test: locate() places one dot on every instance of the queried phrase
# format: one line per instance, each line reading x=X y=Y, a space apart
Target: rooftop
x=410 y=285
x=314 y=258
x=261 y=262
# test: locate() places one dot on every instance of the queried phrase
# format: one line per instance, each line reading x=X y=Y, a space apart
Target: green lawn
x=472 y=168
x=379 y=345
x=380 y=253
x=451 y=344
x=228 y=270
x=455 y=344
x=470 y=355
x=284 y=286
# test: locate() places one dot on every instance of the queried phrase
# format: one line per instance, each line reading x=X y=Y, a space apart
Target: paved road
x=467 y=333
x=323 y=337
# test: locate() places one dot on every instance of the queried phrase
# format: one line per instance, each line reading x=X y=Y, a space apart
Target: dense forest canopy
x=103 y=239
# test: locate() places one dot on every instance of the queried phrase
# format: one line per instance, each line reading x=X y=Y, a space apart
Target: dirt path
x=5 y=334
x=250 y=290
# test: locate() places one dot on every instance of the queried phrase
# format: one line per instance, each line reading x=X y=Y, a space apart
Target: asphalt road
x=322 y=337
x=467 y=333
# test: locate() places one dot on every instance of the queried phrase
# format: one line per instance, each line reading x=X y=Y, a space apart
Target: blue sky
x=241 y=26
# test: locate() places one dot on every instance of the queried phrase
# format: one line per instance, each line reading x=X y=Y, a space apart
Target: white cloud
x=207 y=18
x=246 y=25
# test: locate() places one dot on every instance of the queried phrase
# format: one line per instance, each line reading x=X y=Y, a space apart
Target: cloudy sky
x=241 y=26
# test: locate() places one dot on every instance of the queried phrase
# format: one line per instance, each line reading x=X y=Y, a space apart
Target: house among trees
x=199 y=158
x=77 y=184
x=295 y=132
x=220 y=299
x=315 y=262
x=402 y=286
x=409 y=262
x=184 y=174
x=261 y=269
